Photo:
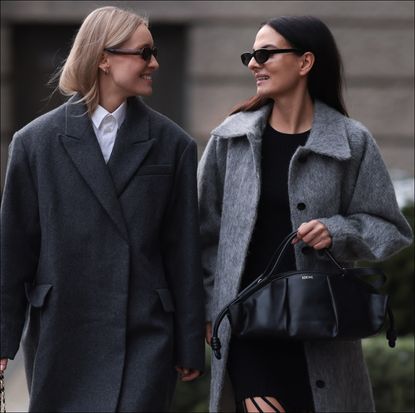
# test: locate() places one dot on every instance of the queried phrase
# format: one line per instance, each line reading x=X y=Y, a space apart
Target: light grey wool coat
x=103 y=260
x=341 y=178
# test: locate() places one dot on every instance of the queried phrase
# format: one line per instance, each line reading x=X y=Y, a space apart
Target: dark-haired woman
x=291 y=159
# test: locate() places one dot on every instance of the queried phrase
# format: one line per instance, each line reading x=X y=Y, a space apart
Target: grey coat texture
x=103 y=260
x=341 y=178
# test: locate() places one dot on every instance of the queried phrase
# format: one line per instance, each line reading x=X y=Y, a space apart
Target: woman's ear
x=104 y=63
x=307 y=62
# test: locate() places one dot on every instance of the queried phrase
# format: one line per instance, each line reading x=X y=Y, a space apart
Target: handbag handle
x=357 y=272
x=279 y=253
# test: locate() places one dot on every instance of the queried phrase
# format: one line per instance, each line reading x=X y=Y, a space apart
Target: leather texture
x=309 y=305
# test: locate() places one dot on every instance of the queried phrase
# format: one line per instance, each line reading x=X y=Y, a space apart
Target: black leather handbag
x=309 y=305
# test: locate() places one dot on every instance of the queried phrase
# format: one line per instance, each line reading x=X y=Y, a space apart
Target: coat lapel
x=249 y=124
x=131 y=146
x=82 y=146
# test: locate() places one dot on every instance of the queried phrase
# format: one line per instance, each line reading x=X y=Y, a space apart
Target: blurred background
x=201 y=78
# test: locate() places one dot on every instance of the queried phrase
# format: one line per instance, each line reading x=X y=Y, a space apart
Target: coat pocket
x=166 y=299
x=36 y=294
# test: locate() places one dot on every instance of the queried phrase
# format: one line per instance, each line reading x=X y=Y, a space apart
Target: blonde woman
x=99 y=237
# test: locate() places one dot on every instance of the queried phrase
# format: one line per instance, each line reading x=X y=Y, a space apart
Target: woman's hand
x=3 y=364
x=208 y=335
x=187 y=374
x=313 y=233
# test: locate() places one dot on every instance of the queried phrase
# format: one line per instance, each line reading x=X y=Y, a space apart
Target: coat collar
x=328 y=134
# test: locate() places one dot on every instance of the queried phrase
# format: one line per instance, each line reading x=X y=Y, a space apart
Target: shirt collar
x=100 y=113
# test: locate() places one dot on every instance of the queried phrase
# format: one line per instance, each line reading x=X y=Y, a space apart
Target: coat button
x=320 y=384
x=307 y=250
x=301 y=206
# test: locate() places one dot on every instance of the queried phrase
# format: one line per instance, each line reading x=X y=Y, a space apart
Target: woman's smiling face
x=131 y=75
x=281 y=73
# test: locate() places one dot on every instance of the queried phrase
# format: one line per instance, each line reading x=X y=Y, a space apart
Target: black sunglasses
x=262 y=55
x=145 y=52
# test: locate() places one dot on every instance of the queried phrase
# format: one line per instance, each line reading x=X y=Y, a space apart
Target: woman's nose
x=153 y=64
x=253 y=64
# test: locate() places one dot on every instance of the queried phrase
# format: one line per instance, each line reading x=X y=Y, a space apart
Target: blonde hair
x=104 y=27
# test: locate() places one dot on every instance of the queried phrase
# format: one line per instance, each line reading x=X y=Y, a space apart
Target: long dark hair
x=325 y=79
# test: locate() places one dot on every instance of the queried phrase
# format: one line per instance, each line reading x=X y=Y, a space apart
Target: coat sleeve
x=181 y=254
x=210 y=209
x=373 y=227
x=20 y=244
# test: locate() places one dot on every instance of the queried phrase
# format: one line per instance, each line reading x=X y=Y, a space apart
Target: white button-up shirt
x=106 y=125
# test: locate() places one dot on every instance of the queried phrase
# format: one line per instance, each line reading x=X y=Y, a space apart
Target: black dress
x=269 y=367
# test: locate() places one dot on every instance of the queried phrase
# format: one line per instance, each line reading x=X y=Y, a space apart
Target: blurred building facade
x=201 y=77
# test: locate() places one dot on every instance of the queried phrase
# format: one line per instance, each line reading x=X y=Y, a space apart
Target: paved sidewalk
x=17 y=398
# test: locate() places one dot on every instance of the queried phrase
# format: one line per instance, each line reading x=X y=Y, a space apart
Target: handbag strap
x=274 y=257
x=279 y=253
x=391 y=334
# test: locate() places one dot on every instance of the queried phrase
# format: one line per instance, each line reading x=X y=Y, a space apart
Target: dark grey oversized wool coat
x=108 y=258
x=341 y=179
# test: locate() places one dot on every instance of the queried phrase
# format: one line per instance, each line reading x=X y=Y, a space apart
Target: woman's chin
x=144 y=91
x=263 y=93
